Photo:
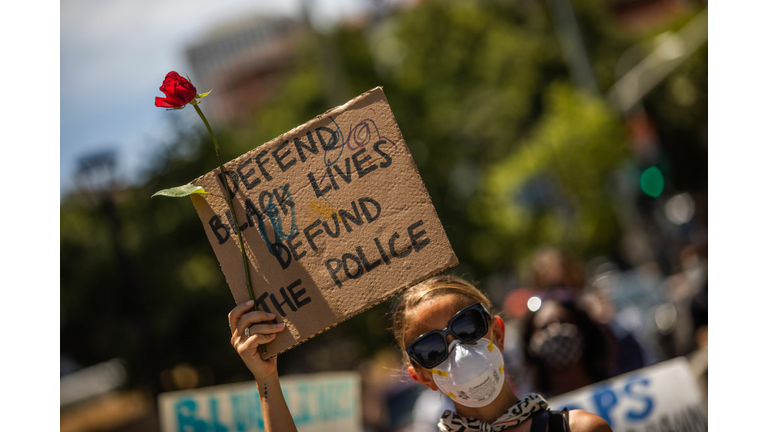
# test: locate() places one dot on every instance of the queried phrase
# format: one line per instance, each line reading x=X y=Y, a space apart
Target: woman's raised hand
x=261 y=331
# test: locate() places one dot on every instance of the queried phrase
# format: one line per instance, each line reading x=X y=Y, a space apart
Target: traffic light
x=652 y=182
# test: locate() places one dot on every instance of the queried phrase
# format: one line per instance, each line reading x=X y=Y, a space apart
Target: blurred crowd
x=576 y=324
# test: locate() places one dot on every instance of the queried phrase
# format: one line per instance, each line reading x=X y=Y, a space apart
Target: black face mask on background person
x=558 y=345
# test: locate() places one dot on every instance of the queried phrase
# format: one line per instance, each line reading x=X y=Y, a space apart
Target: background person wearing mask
x=565 y=349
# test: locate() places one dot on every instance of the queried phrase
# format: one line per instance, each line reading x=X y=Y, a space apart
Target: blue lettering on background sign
x=325 y=408
x=185 y=417
x=215 y=426
x=605 y=401
x=327 y=397
x=313 y=403
x=240 y=417
x=343 y=389
x=643 y=413
x=246 y=412
x=301 y=413
x=634 y=396
x=332 y=410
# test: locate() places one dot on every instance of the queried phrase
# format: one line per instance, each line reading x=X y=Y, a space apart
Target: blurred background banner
x=564 y=145
x=324 y=402
x=660 y=397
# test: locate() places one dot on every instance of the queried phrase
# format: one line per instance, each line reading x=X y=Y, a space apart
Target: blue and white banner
x=662 y=397
x=318 y=403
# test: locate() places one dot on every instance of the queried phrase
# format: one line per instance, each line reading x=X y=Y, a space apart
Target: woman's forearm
x=277 y=417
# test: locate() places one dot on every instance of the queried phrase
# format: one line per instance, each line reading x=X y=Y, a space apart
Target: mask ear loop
x=491 y=346
x=443 y=374
x=438 y=372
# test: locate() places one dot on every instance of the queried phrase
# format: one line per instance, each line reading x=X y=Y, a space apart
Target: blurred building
x=243 y=61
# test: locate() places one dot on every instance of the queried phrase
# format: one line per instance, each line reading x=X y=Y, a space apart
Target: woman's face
x=550 y=313
x=434 y=314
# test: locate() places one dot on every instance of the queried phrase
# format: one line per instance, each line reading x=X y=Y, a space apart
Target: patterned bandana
x=516 y=414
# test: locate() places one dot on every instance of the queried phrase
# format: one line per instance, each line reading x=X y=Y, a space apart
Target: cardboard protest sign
x=322 y=402
x=662 y=397
x=334 y=216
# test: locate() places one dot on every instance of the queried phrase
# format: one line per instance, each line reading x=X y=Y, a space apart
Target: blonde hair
x=431 y=288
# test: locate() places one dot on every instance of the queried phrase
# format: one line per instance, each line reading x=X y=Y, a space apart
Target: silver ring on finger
x=247 y=332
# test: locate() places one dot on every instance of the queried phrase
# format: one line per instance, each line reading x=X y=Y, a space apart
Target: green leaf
x=202 y=95
x=181 y=191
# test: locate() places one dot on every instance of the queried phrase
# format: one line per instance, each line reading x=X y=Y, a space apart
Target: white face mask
x=473 y=374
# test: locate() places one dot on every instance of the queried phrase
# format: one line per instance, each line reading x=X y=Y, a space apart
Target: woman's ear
x=422 y=376
x=499 y=329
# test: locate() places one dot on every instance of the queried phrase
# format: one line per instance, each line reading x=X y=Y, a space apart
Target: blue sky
x=114 y=55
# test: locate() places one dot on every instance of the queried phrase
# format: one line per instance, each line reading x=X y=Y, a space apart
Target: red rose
x=178 y=92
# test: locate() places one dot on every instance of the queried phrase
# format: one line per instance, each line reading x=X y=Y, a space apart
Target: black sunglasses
x=468 y=325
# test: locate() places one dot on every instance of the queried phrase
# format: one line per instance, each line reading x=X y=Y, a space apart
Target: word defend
x=334 y=216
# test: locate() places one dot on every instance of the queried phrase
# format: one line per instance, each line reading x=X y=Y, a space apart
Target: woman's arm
x=583 y=421
x=276 y=414
x=275 y=410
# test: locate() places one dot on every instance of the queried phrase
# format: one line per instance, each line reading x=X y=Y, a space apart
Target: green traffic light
x=652 y=182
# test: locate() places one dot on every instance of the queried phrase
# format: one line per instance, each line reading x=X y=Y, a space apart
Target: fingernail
x=249 y=303
x=281 y=325
x=271 y=315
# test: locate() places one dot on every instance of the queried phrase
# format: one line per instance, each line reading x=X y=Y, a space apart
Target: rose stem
x=229 y=202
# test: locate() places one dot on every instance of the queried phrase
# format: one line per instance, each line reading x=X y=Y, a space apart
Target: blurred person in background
x=565 y=349
x=629 y=353
x=676 y=324
x=555 y=273
x=625 y=300
x=450 y=343
x=558 y=275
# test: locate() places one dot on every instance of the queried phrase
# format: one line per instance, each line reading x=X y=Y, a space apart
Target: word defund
x=291 y=246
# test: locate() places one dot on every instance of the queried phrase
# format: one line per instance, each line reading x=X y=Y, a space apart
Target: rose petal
x=164 y=103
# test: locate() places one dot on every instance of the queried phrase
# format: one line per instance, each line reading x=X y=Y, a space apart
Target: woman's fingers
x=252 y=342
x=237 y=312
x=258 y=326
x=253 y=317
x=267 y=328
x=247 y=323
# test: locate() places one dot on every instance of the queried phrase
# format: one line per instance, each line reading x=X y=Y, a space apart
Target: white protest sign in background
x=322 y=402
x=660 y=398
